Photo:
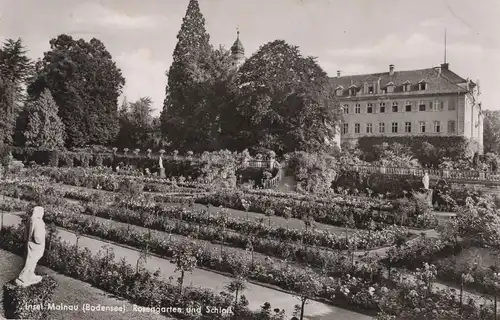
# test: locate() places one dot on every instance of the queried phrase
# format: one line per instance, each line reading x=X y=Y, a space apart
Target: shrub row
x=281 y=275
x=328 y=213
x=15 y=298
x=208 y=226
x=140 y=287
x=347 y=291
x=185 y=222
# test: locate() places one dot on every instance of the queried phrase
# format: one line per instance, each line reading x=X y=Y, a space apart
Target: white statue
x=35 y=247
x=425 y=181
x=161 y=162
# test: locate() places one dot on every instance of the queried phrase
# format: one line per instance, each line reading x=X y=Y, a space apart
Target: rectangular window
x=381 y=127
x=369 y=108
x=346 y=109
x=382 y=107
x=357 y=108
x=421 y=125
x=369 y=128
x=451 y=104
x=394 y=107
x=356 y=128
x=370 y=89
x=394 y=127
x=437 y=105
x=408 y=106
x=451 y=126
x=407 y=127
x=422 y=86
x=421 y=106
x=437 y=126
x=352 y=92
x=345 y=128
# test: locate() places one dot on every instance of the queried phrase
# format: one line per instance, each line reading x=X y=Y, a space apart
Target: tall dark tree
x=183 y=104
x=7 y=111
x=85 y=83
x=285 y=102
x=491 y=131
x=16 y=67
x=137 y=126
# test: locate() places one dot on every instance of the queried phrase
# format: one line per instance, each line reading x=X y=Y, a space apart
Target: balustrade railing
x=433 y=173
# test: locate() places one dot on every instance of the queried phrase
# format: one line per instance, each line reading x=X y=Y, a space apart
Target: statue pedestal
x=162 y=173
x=29 y=302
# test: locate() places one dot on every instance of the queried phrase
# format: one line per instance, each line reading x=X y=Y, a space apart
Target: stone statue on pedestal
x=35 y=243
x=425 y=181
x=161 y=162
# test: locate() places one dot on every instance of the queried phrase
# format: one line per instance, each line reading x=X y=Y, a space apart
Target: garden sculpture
x=161 y=162
x=425 y=181
x=35 y=243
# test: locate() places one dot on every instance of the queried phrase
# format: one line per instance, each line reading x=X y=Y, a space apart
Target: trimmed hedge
x=453 y=146
x=29 y=302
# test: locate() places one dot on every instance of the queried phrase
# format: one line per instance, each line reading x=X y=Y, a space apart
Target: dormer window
x=407 y=86
x=390 y=87
x=422 y=85
x=371 y=89
x=339 y=90
x=352 y=90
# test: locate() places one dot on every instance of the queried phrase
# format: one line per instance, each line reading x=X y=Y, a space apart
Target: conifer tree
x=7 y=111
x=16 y=67
x=184 y=103
x=44 y=128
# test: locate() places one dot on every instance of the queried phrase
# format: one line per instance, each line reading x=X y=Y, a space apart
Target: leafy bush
x=16 y=298
x=314 y=172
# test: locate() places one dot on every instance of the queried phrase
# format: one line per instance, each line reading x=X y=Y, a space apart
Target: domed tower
x=237 y=51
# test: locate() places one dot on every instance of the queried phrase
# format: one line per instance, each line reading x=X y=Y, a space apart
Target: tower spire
x=445 y=45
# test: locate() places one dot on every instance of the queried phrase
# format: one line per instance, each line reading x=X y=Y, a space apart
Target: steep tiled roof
x=447 y=82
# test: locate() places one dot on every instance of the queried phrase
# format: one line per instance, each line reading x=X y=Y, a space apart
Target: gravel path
x=257 y=295
x=72 y=292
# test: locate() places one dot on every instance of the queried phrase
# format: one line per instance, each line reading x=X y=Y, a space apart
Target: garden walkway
x=256 y=294
x=72 y=292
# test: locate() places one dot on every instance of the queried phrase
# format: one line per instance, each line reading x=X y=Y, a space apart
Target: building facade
x=433 y=101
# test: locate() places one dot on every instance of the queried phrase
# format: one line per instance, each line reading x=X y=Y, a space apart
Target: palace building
x=434 y=101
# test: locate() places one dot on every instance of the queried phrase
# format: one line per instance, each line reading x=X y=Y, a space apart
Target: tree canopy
x=184 y=105
x=85 y=83
x=491 y=131
x=7 y=111
x=43 y=128
x=16 y=67
x=284 y=102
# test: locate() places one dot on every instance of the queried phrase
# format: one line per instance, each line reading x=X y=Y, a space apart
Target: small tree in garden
x=287 y=214
x=350 y=223
x=238 y=284
x=52 y=231
x=246 y=205
x=185 y=260
x=464 y=278
x=249 y=247
x=427 y=275
x=306 y=288
x=222 y=223
x=269 y=213
x=125 y=151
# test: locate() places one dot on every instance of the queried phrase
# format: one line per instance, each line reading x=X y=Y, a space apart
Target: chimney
x=445 y=66
x=391 y=69
x=438 y=69
x=338 y=73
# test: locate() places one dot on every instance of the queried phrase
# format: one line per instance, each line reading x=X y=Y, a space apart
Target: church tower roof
x=237 y=47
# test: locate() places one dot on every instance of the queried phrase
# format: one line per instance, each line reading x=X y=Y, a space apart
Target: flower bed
x=328 y=213
x=140 y=287
x=160 y=217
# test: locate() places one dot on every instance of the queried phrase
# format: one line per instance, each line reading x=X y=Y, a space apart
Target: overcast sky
x=355 y=36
